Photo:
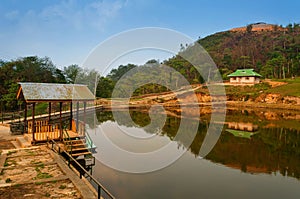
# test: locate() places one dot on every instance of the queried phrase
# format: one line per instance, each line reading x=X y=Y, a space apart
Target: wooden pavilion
x=44 y=128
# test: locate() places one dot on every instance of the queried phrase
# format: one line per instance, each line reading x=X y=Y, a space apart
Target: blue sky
x=67 y=30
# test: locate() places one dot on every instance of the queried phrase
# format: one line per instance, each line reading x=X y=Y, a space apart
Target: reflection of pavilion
x=241 y=129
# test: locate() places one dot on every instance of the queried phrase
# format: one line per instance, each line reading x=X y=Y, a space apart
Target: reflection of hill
x=269 y=151
x=262 y=117
x=275 y=149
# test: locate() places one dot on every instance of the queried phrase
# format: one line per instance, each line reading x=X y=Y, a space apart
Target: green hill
x=274 y=53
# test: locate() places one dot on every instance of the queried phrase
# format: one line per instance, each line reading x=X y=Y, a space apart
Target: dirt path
x=274 y=83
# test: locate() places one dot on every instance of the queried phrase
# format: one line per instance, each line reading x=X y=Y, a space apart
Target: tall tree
x=71 y=72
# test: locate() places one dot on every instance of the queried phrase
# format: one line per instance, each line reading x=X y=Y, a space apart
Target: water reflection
x=261 y=145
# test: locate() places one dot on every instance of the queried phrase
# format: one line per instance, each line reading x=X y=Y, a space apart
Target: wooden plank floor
x=42 y=136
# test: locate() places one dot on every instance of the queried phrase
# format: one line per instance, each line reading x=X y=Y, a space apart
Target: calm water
x=256 y=156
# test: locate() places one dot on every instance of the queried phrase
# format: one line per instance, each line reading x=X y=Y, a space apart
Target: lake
x=257 y=155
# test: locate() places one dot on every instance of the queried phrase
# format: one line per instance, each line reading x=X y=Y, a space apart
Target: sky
x=67 y=31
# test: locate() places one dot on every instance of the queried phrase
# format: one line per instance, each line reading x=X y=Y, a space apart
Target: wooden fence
x=44 y=130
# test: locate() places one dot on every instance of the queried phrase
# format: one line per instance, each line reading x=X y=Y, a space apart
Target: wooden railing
x=80 y=129
x=44 y=130
x=67 y=140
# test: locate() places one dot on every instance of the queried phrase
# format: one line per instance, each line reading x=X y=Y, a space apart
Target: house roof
x=244 y=73
x=48 y=92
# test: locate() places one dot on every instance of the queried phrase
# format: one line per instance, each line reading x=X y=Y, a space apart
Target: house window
x=247 y=78
x=234 y=78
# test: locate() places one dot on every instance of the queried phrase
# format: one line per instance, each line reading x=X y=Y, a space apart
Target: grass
x=246 y=92
x=11 y=152
x=62 y=186
x=6 y=164
x=38 y=164
x=290 y=89
x=40 y=108
x=39 y=167
x=17 y=185
x=42 y=175
x=8 y=180
x=30 y=152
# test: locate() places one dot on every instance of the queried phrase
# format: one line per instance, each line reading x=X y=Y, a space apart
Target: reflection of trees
x=271 y=150
x=103 y=116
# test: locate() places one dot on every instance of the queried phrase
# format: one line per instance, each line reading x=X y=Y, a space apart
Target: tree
x=116 y=74
x=10 y=97
x=275 y=67
x=26 y=69
x=71 y=72
x=246 y=63
x=249 y=28
x=105 y=87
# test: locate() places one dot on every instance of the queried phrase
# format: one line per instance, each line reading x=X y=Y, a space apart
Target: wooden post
x=71 y=114
x=49 y=116
x=25 y=118
x=77 y=117
x=84 y=117
x=33 y=121
x=60 y=120
x=2 y=111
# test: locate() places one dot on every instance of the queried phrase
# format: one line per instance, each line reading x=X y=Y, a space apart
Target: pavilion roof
x=50 y=92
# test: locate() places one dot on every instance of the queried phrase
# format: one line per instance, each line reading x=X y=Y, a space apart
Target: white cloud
x=11 y=15
x=103 y=11
x=95 y=14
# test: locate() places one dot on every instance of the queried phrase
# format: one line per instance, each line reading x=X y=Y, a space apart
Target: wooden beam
x=19 y=92
x=60 y=120
x=84 y=117
x=77 y=117
x=58 y=100
x=49 y=116
x=25 y=119
x=33 y=121
x=2 y=110
x=71 y=114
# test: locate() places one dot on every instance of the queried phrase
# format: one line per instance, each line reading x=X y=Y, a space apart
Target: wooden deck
x=42 y=136
x=44 y=130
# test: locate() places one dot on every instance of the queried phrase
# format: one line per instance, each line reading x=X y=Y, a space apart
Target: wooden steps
x=75 y=155
x=76 y=147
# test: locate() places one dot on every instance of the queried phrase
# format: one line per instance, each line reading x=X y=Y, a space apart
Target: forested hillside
x=273 y=53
